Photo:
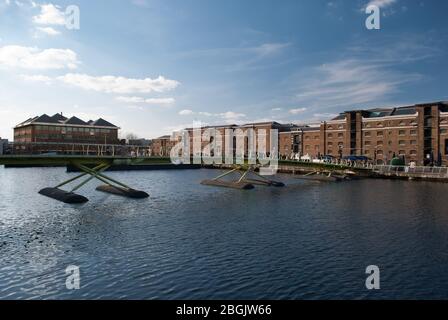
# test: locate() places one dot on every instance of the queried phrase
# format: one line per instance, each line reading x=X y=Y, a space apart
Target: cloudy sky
x=152 y=66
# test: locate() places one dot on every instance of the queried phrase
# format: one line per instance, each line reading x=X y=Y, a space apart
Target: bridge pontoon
x=92 y=167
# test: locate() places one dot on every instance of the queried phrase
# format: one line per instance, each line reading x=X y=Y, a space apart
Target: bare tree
x=131 y=136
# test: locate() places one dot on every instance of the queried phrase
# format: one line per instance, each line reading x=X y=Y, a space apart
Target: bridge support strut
x=243 y=182
x=111 y=186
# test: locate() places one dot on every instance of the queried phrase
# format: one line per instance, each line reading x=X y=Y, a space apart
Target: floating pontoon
x=243 y=183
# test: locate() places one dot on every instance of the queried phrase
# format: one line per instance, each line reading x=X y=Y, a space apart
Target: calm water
x=309 y=240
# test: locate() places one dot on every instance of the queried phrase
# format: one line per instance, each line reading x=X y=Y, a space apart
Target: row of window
x=412 y=132
x=330 y=127
x=390 y=123
x=400 y=152
x=64 y=137
x=381 y=133
x=400 y=142
x=71 y=129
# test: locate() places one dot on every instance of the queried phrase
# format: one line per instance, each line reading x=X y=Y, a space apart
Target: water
x=309 y=240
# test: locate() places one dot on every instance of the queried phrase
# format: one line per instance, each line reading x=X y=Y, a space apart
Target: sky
x=154 y=66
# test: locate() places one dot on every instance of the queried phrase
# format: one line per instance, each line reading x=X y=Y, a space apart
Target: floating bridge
x=91 y=167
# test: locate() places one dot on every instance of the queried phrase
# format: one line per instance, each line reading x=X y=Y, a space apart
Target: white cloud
x=297 y=111
x=160 y=101
x=48 y=30
x=381 y=3
x=34 y=58
x=324 y=116
x=36 y=78
x=267 y=49
x=186 y=112
x=50 y=15
x=130 y=99
x=230 y=115
x=120 y=85
x=276 y=109
x=163 y=101
x=349 y=83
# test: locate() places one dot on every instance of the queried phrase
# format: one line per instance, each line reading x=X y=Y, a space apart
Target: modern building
x=60 y=134
x=417 y=133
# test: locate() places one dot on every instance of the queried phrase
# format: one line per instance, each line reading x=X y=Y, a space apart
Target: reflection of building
x=418 y=133
x=48 y=134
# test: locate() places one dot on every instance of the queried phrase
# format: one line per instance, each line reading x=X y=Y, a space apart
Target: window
x=367 y=134
x=367 y=143
x=340 y=135
x=379 y=134
x=330 y=135
x=443 y=131
x=367 y=125
x=340 y=126
x=413 y=142
x=413 y=132
x=379 y=152
x=402 y=123
x=380 y=124
x=330 y=144
x=413 y=152
x=401 y=132
x=402 y=153
x=402 y=142
x=330 y=127
x=379 y=143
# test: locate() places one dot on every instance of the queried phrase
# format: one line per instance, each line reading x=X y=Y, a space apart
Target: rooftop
x=59 y=119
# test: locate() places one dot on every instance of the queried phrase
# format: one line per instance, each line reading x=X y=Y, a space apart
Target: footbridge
x=90 y=167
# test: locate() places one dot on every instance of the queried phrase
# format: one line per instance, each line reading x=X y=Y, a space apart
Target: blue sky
x=153 y=66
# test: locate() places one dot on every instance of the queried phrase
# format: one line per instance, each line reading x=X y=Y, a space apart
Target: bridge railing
x=441 y=172
x=58 y=148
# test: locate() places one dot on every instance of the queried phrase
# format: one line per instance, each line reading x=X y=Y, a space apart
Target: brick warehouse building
x=60 y=134
x=256 y=127
x=417 y=133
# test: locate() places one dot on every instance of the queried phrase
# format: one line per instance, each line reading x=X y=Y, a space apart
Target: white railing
x=441 y=172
